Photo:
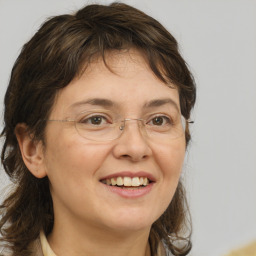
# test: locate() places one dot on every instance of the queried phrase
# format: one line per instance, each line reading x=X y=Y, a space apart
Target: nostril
x=125 y=156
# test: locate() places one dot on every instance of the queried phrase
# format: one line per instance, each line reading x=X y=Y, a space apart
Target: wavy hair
x=56 y=54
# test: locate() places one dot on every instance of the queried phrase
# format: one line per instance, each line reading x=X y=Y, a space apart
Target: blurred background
x=218 y=40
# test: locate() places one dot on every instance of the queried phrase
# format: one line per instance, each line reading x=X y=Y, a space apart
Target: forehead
x=125 y=80
x=124 y=63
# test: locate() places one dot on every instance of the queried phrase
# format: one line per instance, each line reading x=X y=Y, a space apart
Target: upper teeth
x=127 y=181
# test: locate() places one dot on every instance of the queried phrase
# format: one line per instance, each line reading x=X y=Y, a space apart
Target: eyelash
x=90 y=117
x=168 y=120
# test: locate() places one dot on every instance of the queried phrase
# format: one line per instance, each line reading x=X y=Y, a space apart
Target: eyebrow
x=109 y=103
x=161 y=102
x=95 y=101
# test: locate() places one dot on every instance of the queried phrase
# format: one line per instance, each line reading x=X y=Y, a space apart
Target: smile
x=127 y=181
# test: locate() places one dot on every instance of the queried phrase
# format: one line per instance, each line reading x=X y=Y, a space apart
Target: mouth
x=129 y=185
x=127 y=182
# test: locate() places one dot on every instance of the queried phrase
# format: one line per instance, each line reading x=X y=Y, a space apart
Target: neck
x=79 y=240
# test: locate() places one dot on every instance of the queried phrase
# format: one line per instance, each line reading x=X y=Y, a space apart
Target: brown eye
x=96 y=120
x=159 y=120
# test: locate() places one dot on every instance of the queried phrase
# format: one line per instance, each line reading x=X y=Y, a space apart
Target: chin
x=132 y=220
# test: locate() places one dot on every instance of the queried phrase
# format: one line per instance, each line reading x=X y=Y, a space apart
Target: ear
x=31 y=151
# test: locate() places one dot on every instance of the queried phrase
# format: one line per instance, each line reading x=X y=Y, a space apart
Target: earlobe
x=31 y=151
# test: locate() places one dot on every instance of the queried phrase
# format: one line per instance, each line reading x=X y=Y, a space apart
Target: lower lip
x=130 y=193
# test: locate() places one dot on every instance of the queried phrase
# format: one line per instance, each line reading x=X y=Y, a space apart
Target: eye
x=160 y=121
x=97 y=120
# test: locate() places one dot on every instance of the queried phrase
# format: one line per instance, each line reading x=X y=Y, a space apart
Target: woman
x=96 y=128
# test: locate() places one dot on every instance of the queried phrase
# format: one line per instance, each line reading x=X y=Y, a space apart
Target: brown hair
x=47 y=63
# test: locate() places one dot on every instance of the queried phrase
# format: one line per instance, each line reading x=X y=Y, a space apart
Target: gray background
x=218 y=40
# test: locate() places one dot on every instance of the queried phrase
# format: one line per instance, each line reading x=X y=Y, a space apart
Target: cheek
x=72 y=168
x=71 y=161
x=170 y=158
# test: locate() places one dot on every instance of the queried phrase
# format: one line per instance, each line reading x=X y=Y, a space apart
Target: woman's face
x=78 y=168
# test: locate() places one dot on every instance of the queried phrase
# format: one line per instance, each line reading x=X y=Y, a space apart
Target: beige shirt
x=47 y=251
x=41 y=247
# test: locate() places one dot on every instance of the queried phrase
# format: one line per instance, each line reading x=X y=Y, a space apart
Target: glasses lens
x=99 y=126
x=165 y=130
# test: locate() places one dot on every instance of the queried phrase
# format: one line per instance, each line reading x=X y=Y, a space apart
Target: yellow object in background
x=249 y=250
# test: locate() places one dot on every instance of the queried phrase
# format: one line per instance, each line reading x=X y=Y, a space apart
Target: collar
x=47 y=251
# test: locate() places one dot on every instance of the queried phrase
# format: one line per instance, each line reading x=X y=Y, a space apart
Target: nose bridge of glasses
x=139 y=121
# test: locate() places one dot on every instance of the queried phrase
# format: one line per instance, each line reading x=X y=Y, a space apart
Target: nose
x=132 y=144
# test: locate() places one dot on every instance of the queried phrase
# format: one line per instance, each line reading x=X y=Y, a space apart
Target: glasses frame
x=184 y=123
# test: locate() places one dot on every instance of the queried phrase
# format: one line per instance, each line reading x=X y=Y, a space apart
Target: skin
x=90 y=219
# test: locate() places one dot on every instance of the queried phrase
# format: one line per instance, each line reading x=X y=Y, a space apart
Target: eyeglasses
x=99 y=125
